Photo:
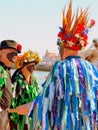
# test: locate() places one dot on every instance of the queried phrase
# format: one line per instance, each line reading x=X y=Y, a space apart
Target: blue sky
x=35 y=23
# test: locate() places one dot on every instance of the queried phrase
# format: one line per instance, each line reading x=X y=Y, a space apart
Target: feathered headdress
x=74 y=31
x=28 y=56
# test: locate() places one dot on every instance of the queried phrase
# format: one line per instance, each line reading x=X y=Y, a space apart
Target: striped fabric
x=69 y=100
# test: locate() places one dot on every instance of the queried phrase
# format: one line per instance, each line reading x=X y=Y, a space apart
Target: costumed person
x=25 y=87
x=9 y=49
x=69 y=100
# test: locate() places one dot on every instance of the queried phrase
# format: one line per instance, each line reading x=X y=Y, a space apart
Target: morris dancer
x=9 y=49
x=25 y=86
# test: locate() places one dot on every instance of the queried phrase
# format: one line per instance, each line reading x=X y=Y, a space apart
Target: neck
x=4 y=66
x=68 y=52
x=26 y=75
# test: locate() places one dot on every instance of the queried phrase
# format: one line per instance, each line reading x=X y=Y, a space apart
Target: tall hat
x=27 y=57
x=74 y=31
x=11 y=44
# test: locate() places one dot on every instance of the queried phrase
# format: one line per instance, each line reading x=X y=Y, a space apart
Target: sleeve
x=5 y=100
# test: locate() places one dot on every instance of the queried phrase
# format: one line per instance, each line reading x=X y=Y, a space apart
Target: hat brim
x=11 y=48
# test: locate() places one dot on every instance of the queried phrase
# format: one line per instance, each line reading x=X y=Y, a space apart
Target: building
x=49 y=58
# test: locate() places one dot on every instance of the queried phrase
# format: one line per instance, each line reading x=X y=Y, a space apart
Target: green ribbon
x=28 y=95
x=3 y=77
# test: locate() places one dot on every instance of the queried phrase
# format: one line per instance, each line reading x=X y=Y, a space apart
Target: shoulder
x=3 y=72
x=16 y=75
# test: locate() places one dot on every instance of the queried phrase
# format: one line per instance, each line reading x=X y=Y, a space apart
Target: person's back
x=69 y=96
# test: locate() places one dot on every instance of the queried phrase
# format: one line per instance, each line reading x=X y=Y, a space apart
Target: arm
x=22 y=110
x=5 y=100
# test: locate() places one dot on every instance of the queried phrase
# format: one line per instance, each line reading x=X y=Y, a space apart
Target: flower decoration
x=19 y=47
x=92 y=23
x=28 y=56
x=74 y=31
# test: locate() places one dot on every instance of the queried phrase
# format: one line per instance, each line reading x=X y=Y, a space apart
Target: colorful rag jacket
x=69 y=100
x=23 y=93
x=3 y=77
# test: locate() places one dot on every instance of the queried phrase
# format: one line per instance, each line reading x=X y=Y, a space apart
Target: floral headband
x=74 y=31
x=27 y=57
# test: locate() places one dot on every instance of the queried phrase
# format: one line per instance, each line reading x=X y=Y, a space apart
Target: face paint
x=31 y=67
x=11 y=56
